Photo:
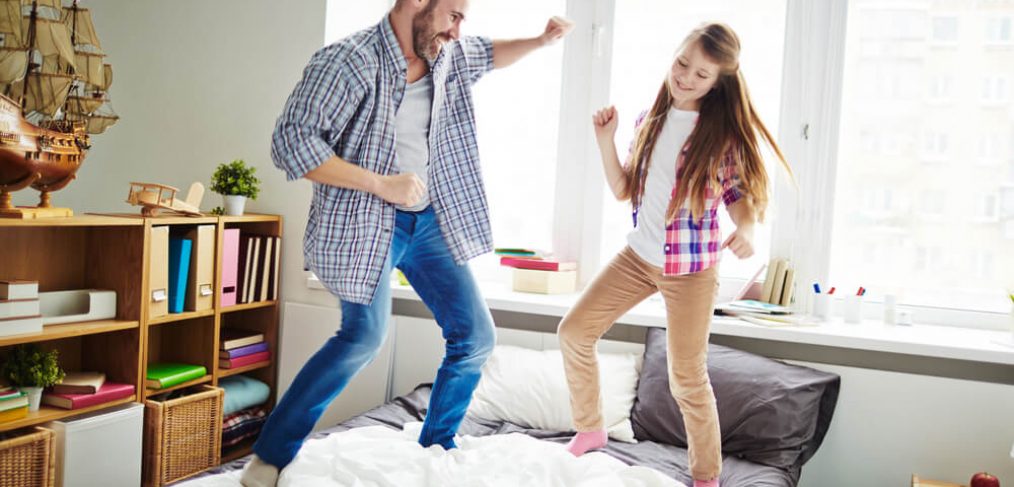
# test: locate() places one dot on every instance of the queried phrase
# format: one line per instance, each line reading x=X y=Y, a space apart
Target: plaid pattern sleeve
x=728 y=177
x=316 y=113
x=477 y=57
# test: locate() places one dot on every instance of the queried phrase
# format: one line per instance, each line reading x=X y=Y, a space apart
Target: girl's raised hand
x=605 y=122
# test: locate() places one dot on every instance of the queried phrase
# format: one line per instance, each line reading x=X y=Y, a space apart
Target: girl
x=695 y=147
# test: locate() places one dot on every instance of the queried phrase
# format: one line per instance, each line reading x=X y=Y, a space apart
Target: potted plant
x=31 y=370
x=235 y=182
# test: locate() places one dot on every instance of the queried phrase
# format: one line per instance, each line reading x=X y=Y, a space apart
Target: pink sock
x=706 y=483
x=588 y=440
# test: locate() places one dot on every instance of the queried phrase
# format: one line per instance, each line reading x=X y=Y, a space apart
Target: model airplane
x=152 y=197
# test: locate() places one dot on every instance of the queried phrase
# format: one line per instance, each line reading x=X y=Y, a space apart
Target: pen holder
x=853 y=309
x=822 y=306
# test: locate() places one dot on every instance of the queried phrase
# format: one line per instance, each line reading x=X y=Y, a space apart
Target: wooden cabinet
x=112 y=252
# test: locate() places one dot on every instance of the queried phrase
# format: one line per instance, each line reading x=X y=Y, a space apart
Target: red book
x=538 y=265
x=253 y=358
x=110 y=391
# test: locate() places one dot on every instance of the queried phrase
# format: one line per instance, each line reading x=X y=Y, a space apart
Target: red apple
x=983 y=479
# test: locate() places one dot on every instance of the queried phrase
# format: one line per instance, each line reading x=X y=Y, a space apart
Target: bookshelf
x=112 y=251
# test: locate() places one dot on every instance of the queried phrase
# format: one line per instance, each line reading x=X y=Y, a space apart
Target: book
x=21 y=325
x=13 y=414
x=529 y=253
x=245 y=257
x=11 y=289
x=758 y=307
x=787 y=287
x=251 y=290
x=233 y=338
x=179 y=270
x=242 y=351
x=265 y=277
x=79 y=383
x=14 y=402
x=537 y=264
x=18 y=308
x=110 y=391
x=769 y=280
x=232 y=363
x=9 y=393
x=162 y=375
x=776 y=287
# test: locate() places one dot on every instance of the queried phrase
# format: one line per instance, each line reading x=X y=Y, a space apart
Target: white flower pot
x=234 y=204
x=34 y=397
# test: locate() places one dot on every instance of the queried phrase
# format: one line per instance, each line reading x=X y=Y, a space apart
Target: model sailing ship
x=53 y=83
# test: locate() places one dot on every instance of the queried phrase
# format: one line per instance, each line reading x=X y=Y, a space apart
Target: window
x=517 y=112
x=998 y=30
x=647 y=35
x=951 y=258
x=994 y=90
x=945 y=30
x=940 y=88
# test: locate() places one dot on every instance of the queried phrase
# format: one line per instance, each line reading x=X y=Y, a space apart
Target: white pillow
x=528 y=388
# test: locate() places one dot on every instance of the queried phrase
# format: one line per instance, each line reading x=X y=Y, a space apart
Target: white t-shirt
x=412 y=129
x=648 y=237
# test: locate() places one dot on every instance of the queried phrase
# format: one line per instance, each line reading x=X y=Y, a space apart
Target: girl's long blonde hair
x=727 y=122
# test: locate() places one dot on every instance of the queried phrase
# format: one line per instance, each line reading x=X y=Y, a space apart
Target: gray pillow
x=770 y=412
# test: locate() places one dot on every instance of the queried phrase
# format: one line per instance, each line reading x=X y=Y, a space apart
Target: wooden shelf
x=67 y=330
x=238 y=450
x=249 y=218
x=164 y=219
x=200 y=380
x=245 y=306
x=49 y=413
x=174 y=317
x=245 y=368
x=87 y=220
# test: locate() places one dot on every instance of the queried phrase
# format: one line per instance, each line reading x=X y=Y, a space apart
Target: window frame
x=813 y=71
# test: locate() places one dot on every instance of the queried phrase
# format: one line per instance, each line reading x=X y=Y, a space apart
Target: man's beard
x=424 y=39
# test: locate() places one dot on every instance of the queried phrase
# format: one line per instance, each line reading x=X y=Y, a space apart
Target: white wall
x=199 y=83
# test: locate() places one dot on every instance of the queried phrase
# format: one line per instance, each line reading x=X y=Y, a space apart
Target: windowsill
x=972 y=345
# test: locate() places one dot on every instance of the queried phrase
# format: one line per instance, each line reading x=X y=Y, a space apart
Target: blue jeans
x=450 y=292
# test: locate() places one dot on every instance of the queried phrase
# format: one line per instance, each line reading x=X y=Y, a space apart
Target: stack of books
x=13 y=404
x=535 y=274
x=240 y=348
x=19 y=307
x=779 y=284
x=167 y=374
x=83 y=389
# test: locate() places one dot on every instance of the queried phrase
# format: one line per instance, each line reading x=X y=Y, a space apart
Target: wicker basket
x=28 y=460
x=183 y=436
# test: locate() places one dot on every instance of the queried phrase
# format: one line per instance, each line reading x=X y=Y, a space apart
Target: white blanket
x=376 y=456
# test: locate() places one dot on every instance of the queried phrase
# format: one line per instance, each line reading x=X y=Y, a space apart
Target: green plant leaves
x=236 y=178
x=28 y=366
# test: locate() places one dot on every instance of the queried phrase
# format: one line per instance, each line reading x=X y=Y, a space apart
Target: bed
x=774 y=417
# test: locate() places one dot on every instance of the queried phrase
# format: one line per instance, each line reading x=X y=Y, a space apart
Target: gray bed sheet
x=667 y=459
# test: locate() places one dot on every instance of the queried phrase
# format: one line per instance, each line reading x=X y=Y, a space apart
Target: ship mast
x=31 y=50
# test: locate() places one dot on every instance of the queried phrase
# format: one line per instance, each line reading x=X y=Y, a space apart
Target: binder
x=158 y=272
x=230 y=261
x=179 y=269
x=265 y=277
x=274 y=273
x=243 y=279
x=200 y=289
x=251 y=287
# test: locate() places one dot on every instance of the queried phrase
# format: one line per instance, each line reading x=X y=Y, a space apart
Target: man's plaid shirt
x=345 y=105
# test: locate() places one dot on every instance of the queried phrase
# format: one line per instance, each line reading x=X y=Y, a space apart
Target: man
x=382 y=123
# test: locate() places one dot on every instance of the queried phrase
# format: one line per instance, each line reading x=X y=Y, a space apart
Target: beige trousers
x=689 y=301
